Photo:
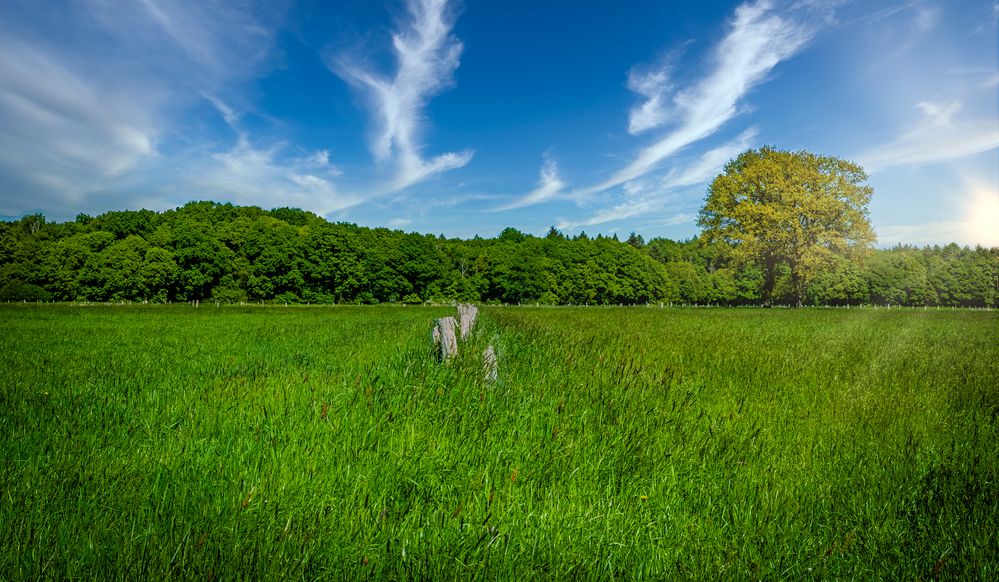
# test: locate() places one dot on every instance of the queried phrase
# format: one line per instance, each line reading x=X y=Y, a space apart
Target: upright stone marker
x=445 y=338
x=490 y=367
x=466 y=318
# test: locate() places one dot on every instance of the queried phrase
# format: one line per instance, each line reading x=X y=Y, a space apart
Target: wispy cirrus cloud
x=938 y=136
x=263 y=174
x=399 y=222
x=654 y=85
x=549 y=187
x=637 y=203
x=758 y=39
x=267 y=176
x=427 y=54
x=710 y=163
x=90 y=91
x=62 y=133
x=86 y=112
x=459 y=200
x=205 y=43
x=901 y=28
x=643 y=196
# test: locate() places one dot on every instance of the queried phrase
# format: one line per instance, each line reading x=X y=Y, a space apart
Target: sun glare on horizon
x=982 y=218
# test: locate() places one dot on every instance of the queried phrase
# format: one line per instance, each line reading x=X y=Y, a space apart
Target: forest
x=207 y=251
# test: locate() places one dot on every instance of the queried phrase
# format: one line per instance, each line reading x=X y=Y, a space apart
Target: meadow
x=636 y=443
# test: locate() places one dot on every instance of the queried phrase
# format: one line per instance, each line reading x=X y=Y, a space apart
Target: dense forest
x=220 y=252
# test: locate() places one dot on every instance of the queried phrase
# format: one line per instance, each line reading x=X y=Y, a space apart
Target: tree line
x=220 y=252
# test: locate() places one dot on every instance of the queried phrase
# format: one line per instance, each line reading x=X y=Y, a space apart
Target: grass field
x=634 y=443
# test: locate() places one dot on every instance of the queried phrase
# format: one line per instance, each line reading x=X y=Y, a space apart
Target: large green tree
x=793 y=212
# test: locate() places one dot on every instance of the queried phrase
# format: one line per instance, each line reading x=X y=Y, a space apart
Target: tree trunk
x=797 y=287
x=769 y=280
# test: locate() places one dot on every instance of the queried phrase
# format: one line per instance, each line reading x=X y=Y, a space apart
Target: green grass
x=619 y=442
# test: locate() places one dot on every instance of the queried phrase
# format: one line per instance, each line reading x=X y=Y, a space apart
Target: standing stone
x=466 y=318
x=490 y=367
x=445 y=338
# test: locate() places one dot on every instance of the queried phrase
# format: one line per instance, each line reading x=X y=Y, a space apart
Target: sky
x=463 y=119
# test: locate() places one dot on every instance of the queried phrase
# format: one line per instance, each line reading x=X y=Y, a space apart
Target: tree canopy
x=795 y=210
x=220 y=252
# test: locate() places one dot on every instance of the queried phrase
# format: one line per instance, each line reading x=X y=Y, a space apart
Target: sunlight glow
x=982 y=217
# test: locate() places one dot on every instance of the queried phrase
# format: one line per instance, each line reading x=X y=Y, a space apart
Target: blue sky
x=462 y=119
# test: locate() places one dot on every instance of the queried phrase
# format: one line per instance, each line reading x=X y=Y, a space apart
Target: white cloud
x=898 y=30
x=83 y=117
x=414 y=169
x=231 y=117
x=206 y=44
x=654 y=85
x=62 y=132
x=247 y=175
x=458 y=200
x=625 y=210
x=621 y=211
x=549 y=186
x=710 y=163
x=321 y=158
x=427 y=55
x=643 y=196
x=935 y=138
x=915 y=15
x=939 y=114
x=90 y=91
x=255 y=175
x=758 y=40
x=679 y=218
x=398 y=223
x=925 y=18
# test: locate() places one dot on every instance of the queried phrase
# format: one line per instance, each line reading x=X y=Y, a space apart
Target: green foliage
x=798 y=210
x=843 y=285
x=31 y=224
x=900 y=278
x=232 y=254
x=636 y=240
x=294 y=216
x=326 y=443
x=123 y=223
x=21 y=291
